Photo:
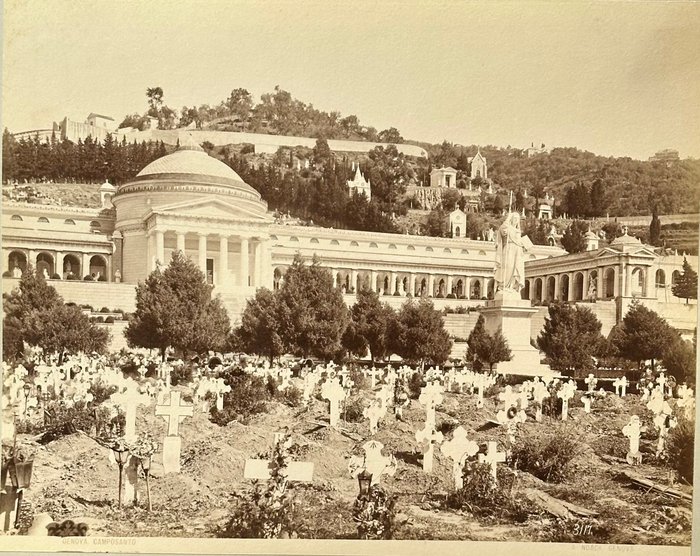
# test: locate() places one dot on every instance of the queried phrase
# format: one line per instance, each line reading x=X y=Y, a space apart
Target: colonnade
x=58 y=264
x=226 y=260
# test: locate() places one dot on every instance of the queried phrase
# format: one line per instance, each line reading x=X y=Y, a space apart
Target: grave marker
x=566 y=392
x=334 y=393
x=621 y=386
x=373 y=413
x=493 y=457
x=173 y=413
x=633 y=431
x=428 y=437
x=458 y=449
x=259 y=469
x=373 y=462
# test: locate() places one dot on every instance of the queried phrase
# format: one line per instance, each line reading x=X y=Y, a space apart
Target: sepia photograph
x=349 y=277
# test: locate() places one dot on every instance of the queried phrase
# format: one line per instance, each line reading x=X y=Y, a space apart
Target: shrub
x=87 y=278
x=547 y=457
x=109 y=320
x=354 y=406
x=374 y=514
x=248 y=396
x=72 y=277
x=415 y=383
x=101 y=392
x=181 y=375
x=451 y=296
x=7 y=274
x=680 y=446
x=360 y=381
x=55 y=276
x=102 y=279
x=292 y=396
x=482 y=495
x=100 y=319
x=462 y=310
x=105 y=310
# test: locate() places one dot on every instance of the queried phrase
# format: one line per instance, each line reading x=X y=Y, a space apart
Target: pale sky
x=615 y=78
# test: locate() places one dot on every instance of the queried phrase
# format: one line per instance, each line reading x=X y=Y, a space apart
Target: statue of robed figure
x=510 y=255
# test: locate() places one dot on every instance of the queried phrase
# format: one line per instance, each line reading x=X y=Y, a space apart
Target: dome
x=190 y=160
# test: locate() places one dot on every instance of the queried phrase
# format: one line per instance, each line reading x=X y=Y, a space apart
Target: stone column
x=431 y=285
x=585 y=285
x=333 y=277
x=245 y=262
x=412 y=285
x=556 y=287
x=85 y=264
x=449 y=285
x=628 y=280
x=160 y=246
x=203 y=253
x=117 y=256
x=601 y=281
x=484 y=287
x=58 y=265
x=257 y=267
x=570 y=296
x=353 y=280
x=645 y=283
x=392 y=283
x=373 y=280
x=223 y=261
x=181 y=242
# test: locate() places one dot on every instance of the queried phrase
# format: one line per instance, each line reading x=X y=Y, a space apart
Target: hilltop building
x=360 y=185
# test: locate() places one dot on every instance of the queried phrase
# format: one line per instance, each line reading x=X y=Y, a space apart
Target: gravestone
x=428 y=437
x=259 y=469
x=539 y=393
x=620 y=385
x=373 y=462
x=458 y=449
x=334 y=393
x=566 y=392
x=586 y=399
x=373 y=413
x=129 y=400
x=493 y=457
x=219 y=388
x=430 y=397
x=173 y=413
x=591 y=381
x=633 y=430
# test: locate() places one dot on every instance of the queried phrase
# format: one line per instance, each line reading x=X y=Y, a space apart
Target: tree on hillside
x=313 y=315
x=538 y=193
x=612 y=230
x=322 y=152
x=655 y=228
x=574 y=240
x=578 y=200
x=259 y=331
x=155 y=99
x=434 y=225
x=571 y=338
x=240 y=103
x=419 y=333
x=36 y=315
x=477 y=343
x=687 y=284
x=174 y=308
x=390 y=135
x=370 y=324
x=598 y=200
x=680 y=361
x=450 y=199
x=643 y=335
x=536 y=230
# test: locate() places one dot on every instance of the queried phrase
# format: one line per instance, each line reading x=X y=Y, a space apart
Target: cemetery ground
x=73 y=476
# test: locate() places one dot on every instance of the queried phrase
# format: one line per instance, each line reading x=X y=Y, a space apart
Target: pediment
x=210 y=207
x=638 y=251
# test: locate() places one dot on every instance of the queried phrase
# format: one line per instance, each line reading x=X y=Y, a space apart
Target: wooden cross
x=633 y=431
x=334 y=393
x=428 y=437
x=260 y=469
x=457 y=449
x=493 y=457
x=174 y=413
x=373 y=462
x=621 y=386
x=129 y=400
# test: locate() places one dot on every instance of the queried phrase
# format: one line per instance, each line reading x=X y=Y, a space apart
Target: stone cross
x=633 y=431
x=430 y=397
x=373 y=374
x=260 y=469
x=539 y=393
x=428 y=437
x=493 y=457
x=129 y=400
x=333 y=392
x=509 y=397
x=664 y=422
x=457 y=449
x=591 y=380
x=373 y=462
x=218 y=387
x=374 y=412
x=658 y=404
x=661 y=381
x=586 y=399
x=621 y=386
x=173 y=413
x=566 y=392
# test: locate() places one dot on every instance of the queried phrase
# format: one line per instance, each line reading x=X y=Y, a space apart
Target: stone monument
x=507 y=310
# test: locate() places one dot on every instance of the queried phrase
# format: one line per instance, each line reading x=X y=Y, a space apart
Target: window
x=354 y=244
x=392 y=246
x=314 y=240
x=273 y=236
x=372 y=244
x=69 y=222
x=95 y=224
x=293 y=238
x=465 y=252
x=17 y=217
x=482 y=252
x=43 y=220
x=411 y=248
x=334 y=242
x=447 y=250
x=428 y=248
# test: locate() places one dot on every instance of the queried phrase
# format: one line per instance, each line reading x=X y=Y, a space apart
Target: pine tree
x=370 y=321
x=687 y=284
x=419 y=333
x=476 y=342
x=574 y=240
x=259 y=331
x=655 y=228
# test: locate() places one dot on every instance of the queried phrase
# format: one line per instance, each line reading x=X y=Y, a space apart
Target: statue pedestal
x=512 y=315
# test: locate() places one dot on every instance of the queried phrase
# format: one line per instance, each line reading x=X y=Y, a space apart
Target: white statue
x=510 y=258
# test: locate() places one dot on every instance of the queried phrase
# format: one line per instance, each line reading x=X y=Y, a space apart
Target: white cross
x=174 y=413
x=457 y=449
x=664 y=422
x=591 y=381
x=373 y=462
x=430 y=397
x=493 y=457
x=428 y=437
x=633 y=431
x=621 y=386
x=374 y=412
x=129 y=400
x=539 y=393
x=333 y=392
x=566 y=392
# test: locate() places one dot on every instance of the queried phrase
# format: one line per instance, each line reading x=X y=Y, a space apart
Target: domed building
x=192 y=202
